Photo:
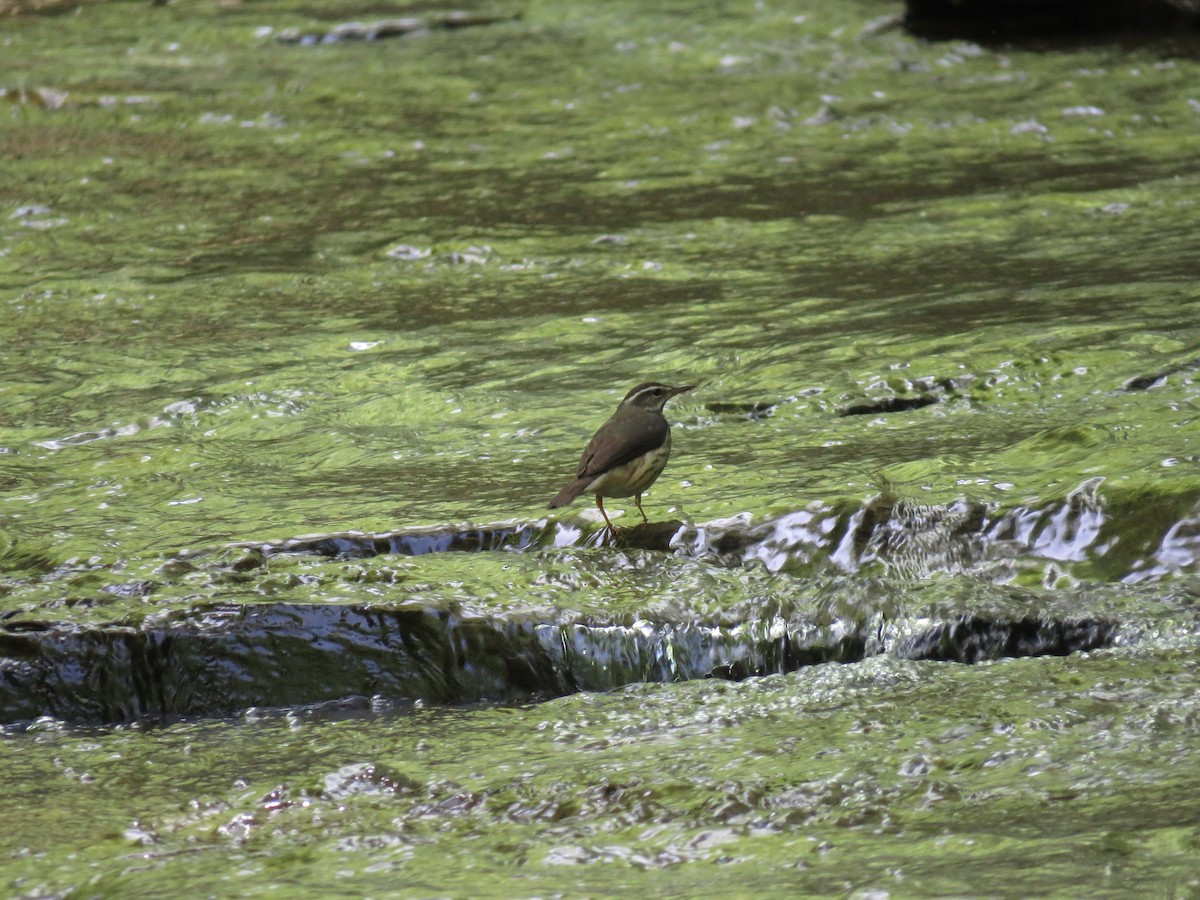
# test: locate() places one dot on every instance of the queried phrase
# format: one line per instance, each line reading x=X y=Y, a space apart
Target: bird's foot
x=606 y=535
x=609 y=534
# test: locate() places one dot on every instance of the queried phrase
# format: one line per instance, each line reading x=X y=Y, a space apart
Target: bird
x=628 y=452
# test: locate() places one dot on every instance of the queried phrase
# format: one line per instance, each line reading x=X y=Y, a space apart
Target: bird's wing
x=637 y=436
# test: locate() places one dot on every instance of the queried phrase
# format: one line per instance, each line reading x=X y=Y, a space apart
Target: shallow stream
x=300 y=336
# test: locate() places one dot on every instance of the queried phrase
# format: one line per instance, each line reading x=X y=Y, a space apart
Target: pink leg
x=600 y=506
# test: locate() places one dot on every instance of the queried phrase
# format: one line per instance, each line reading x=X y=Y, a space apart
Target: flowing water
x=301 y=332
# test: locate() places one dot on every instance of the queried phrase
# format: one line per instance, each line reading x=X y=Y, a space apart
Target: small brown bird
x=629 y=451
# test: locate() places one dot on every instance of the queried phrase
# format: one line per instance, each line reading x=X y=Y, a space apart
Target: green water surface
x=251 y=290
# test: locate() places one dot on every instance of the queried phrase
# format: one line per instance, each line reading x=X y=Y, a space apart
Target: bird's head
x=652 y=395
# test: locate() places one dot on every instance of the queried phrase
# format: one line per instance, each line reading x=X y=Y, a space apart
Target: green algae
x=1010 y=779
x=253 y=291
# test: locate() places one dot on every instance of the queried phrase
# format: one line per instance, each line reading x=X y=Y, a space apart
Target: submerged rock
x=557 y=607
x=385 y=28
x=974 y=639
x=219 y=659
x=999 y=19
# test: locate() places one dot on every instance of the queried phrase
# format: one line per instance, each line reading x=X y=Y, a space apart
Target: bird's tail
x=570 y=492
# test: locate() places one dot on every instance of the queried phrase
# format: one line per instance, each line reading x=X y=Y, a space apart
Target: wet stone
x=386 y=28
x=409 y=543
x=225 y=658
x=888 y=405
x=990 y=20
x=975 y=640
x=1155 y=379
x=806 y=603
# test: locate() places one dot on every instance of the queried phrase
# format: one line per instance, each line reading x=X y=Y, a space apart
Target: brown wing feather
x=614 y=445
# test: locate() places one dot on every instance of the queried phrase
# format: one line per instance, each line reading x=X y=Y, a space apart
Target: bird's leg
x=600 y=506
x=638 y=500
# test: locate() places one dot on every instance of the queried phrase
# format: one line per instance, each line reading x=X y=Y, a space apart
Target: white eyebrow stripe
x=649 y=389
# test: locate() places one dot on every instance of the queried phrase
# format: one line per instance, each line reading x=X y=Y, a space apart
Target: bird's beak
x=680 y=390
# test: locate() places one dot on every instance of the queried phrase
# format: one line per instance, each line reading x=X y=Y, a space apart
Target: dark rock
x=220 y=659
x=976 y=639
x=887 y=405
x=385 y=28
x=1154 y=379
x=985 y=20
